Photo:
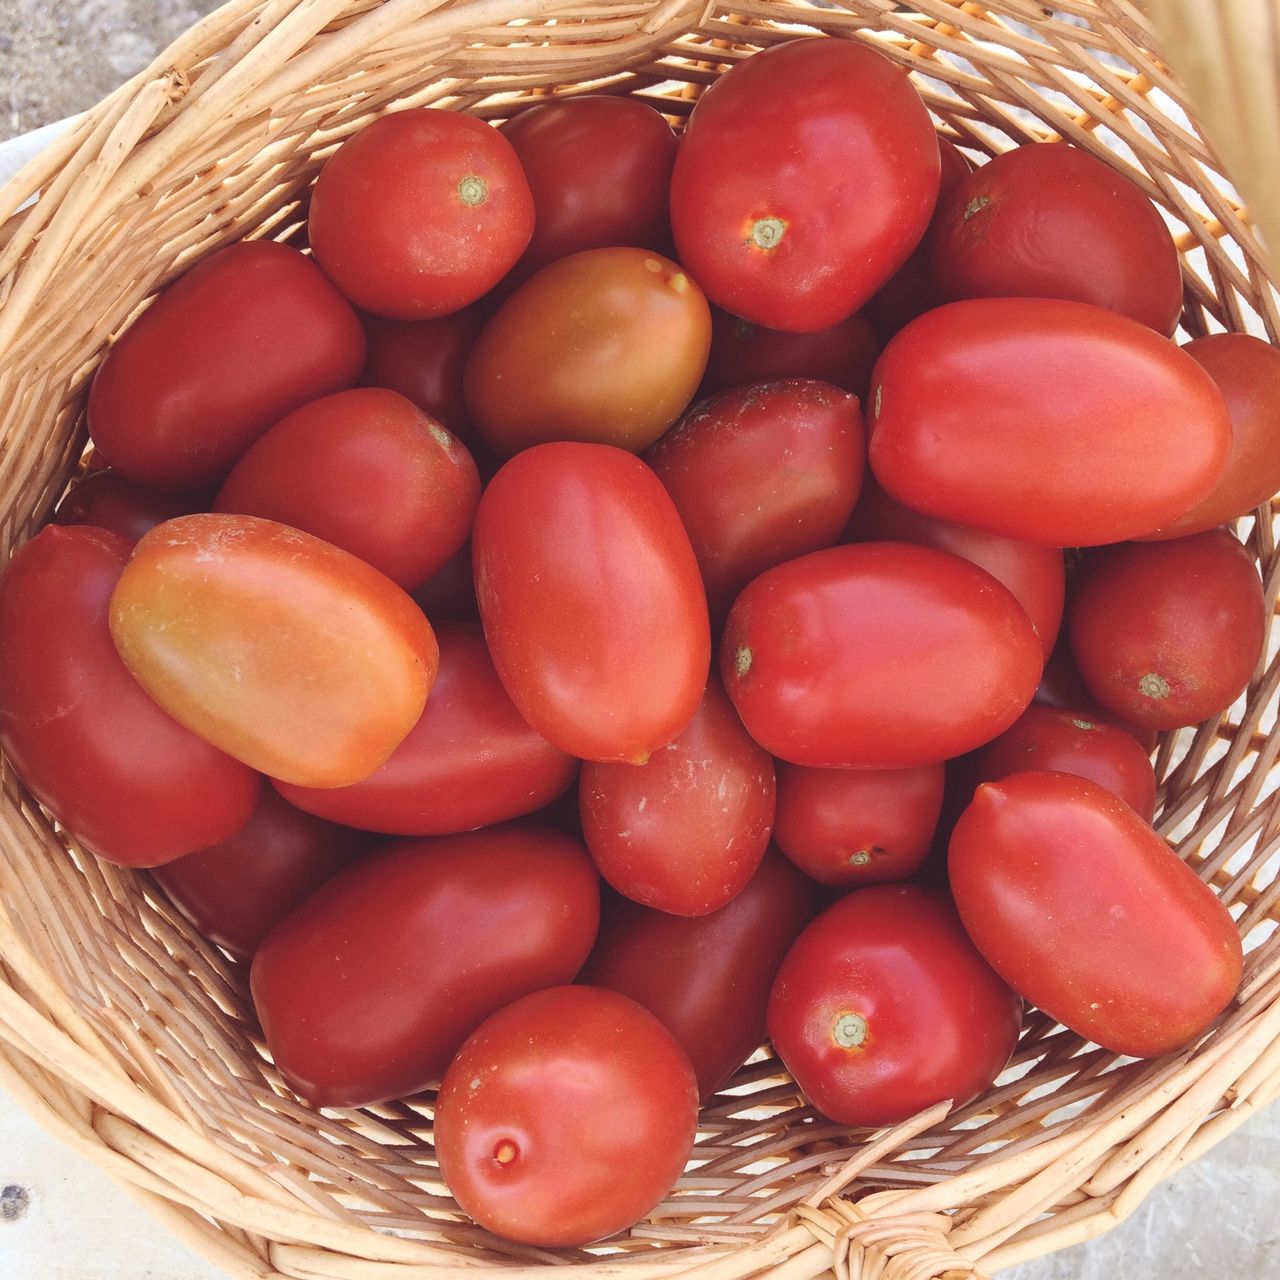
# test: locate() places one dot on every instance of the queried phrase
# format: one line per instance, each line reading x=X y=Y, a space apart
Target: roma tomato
x=250 y=334
x=707 y=978
x=566 y=1117
x=1046 y=421
x=367 y=989
x=470 y=761
x=1083 y=909
x=882 y=655
x=450 y=594
x=128 y=781
x=1060 y=686
x=420 y=213
x=883 y=1007
x=606 y=346
x=806 y=176
x=1167 y=634
x=684 y=832
x=854 y=827
x=760 y=475
x=591 y=601
x=107 y=500
x=368 y=471
x=284 y=651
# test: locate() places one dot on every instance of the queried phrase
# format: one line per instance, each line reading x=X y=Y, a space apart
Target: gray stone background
x=1220 y=1217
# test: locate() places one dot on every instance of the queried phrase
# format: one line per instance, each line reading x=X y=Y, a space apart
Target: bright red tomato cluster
x=655 y=625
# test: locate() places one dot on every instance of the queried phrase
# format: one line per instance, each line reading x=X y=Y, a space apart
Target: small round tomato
x=1060 y=686
x=420 y=213
x=883 y=1007
x=854 y=827
x=1167 y=634
x=1083 y=909
x=608 y=346
x=107 y=500
x=566 y=1117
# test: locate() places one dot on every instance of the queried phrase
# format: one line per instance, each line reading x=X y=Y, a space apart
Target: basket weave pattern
x=133 y=1039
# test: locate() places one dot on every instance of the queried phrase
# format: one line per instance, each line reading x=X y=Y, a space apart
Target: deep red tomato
x=883 y=1007
x=1060 y=686
x=760 y=475
x=1047 y=220
x=420 y=213
x=707 y=978
x=283 y=650
x=130 y=783
x=882 y=655
x=1167 y=634
x=591 y=601
x=1049 y=421
x=107 y=500
x=1084 y=910
x=367 y=989
x=470 y=761
x=248 y=335
x=236 y=891
x=854 y=827
x=450 y=595
x=368 y=471
x=686 y=831
x=806 y=176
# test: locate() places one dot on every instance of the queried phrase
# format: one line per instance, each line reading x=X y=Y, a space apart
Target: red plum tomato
x=107 y=500
x=1061 y=686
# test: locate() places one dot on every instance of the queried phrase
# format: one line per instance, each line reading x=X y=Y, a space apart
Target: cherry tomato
x=420 y=213
x=686 y=831
x=883 y=1007
x=107 y=500
x=566 y=1117
x=882 y=655
x=130 y=783
x=1060 y=686
x=1047 y=421
x=284 y=651
x=591 y=601
x=760 y=475
x=367 y=989
x=1083 y=909
x=248 y=335
x=806 y=176
x=470 y=761
x=1167 y=634
x=368 y=471
x=606 y=346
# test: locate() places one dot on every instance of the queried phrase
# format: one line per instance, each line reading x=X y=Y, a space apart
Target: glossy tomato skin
x=107 y=500
x=883 y=1007
x=880 y=656
x=470 y=761
x=685 y=832
x=128 y=781
x=1083 y=909
x=855 y=827
x=608 y=346
x=367 y=989
x=1167 y=634
x=1063 y=423
x=566 y=1117
x=420 y=213
x=368 y=471
x=806 y=176
x=762 y=474
x=191 y=383
x=591 y=601
x=1061 y=686
x=288 y=653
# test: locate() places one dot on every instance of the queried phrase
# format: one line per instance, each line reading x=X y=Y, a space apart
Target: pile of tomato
x=688 y=514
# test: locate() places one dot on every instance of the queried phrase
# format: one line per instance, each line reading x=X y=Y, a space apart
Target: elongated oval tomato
x=470 y=761
x=245 y=337
x=1049 y=421
x=284 y=651
x=367 y=989
x=107 y=500
x=1083 y=909
x=127 y=780
x=882 y=655
x=806 y=176
x=591 y=600
x=1061 y=686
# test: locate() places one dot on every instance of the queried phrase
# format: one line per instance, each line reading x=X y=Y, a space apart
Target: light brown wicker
x=132 y=1039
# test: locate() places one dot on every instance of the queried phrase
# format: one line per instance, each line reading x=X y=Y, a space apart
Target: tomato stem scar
x=506 y=1151
x=768 y=232
x=742 y=661
x=849 y=1030
x=875 y=408
x=1153 y=685
x=860 y=859
x=976 y=205
x=1084 y=724
x=473 y=190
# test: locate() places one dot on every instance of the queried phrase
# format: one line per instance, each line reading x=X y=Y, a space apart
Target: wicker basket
x=133 y=1040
